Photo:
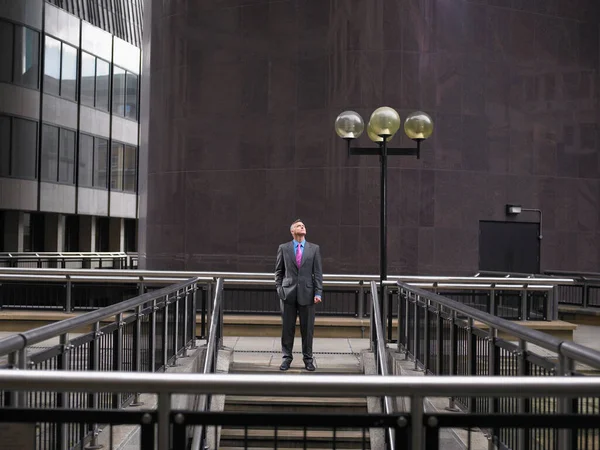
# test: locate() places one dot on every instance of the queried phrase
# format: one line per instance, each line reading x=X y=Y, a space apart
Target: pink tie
x=298 y=255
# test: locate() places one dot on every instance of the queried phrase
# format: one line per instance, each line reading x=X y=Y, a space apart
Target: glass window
x=66 y=165
x=68 y=83
x=86 y=160
x=131 y=107
x=4 y=146
x=27 y=51
x=24 y=148
x=116 y=167
x=52 y=66
x=130 y=168
x=49 y=153
x=100 y=163
x=102 y=84
x=119 y=91
x=6 y=51
x=88 y=76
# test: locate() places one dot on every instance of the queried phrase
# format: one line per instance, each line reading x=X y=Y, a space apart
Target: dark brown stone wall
x=239 y=139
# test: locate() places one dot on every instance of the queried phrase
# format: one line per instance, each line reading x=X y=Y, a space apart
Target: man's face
x=298 y=230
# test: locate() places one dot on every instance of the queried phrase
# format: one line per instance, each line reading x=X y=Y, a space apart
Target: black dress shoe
x=309 y=366
x=285 y=365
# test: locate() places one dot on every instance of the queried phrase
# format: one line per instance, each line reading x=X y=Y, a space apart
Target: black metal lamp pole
x=383 y=152
x=383 y=125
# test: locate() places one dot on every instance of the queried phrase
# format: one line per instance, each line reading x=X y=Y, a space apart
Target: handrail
x=298 y=385
x=268 y=277
x=49 y=331
x=537 y=337
x=114 y=276
x=381 y=355
x=592 y=357
x=210 y=356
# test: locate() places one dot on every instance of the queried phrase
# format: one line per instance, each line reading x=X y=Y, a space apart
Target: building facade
x=238 y=139
x=69 y=125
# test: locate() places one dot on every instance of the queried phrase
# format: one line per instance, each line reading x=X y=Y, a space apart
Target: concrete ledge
x=579 y=315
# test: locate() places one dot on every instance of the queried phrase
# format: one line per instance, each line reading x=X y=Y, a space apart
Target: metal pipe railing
x=546 y=341
x=53 y=330
x=298 y=385
x=380 y=351
x=268 y=277
x=209 y=364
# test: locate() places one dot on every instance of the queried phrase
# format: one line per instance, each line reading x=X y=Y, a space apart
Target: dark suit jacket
x=302 y=283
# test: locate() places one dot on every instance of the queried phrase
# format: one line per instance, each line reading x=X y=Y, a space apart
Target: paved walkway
x=329 y=353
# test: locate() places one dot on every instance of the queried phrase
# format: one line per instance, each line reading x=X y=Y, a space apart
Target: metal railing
x=70 y=260
x=144 y=334
x=417 y=429
x=209 y=365
x=253 y=293
x=379 y=348
x=583 y=291
x=445 y=337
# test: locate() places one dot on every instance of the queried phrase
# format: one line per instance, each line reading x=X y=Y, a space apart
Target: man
x=299 y=281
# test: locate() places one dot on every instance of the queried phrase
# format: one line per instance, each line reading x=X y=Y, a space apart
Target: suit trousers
x=289 y=311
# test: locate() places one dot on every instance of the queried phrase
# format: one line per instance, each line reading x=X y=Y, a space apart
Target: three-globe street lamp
x=382 y=126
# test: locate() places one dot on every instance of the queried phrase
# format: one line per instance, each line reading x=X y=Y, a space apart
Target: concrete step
x=339 y=369
x=295 y=404
x=293 y=438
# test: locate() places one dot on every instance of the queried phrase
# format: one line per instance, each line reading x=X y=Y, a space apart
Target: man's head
x=298 y=230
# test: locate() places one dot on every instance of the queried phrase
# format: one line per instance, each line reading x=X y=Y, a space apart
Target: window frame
x=36 y=162
x=56 y=179
x=112 y=101
x=95 y=103
x=10 y=133
x=60 y=79
x=93 y=162
x=13 y=57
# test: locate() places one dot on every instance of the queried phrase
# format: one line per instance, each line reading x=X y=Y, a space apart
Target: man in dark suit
x=299 y=281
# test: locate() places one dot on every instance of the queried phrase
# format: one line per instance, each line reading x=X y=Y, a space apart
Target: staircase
x=234 y=438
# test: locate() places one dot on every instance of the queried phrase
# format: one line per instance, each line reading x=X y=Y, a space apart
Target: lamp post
x=382 y=126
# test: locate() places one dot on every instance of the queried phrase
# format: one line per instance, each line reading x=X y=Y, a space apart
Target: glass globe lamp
x=385 y=121
x=418 y=126
x=349 y=125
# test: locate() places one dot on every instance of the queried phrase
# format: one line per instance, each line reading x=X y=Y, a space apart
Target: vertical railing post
x=68 y=287
x=522 y=407
x=186 y=297
x=401 y=335
x=62 y=398
x=178 y=295
x=453 y=355
x=416 y=332
x=94 y=365
x=209 y=307
x=523 y=312
x=567 y=438
x=165 y=336
x=141 y=286
x=492 y=371
x=118 y=355
x=152 y=331
x=137 y=349
x=416 y=412
x=361 y=300
x=193 y=314
x=471 y=360
x=426 y=333
x=20 y=399
x=492 y=295
x=439 y=338
x=164 y=413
